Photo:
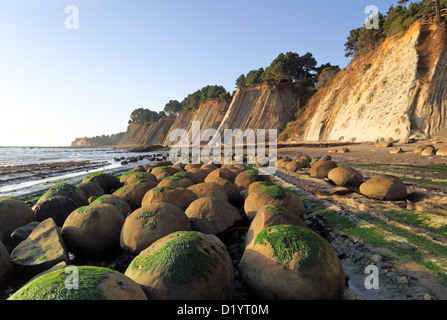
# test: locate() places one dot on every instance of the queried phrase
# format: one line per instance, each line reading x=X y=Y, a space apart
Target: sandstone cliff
x=268 y=106
x=397 y=91
x=104 y=141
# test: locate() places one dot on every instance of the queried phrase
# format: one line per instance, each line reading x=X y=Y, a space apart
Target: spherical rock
x=232 y=191
x=151 y=223
x=429 y=151
x=177 y=196
x=106 y=181
x=58 y=208
x=91 y=189
x=383 y=187
x=268 y=216
x=345 y=176
x=185 y=265
x=211 y=215
x=273 y=195
x=93 y=230
x=134 y=193
x=442 y=151
x=122 y=205
x=13 y=214
x=321 y=168
x=209 y=189
x=177 y=180
x=66 y=190
x=292 y=263
x=223 y=173
x=420 y=148
x=95 y=283
x=247 y=177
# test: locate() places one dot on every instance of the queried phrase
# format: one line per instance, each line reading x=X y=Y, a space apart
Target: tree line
x=397 y=19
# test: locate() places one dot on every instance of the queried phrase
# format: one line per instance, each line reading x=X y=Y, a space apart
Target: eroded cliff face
x=147 y=134
x=257 y=107
x=397 y=91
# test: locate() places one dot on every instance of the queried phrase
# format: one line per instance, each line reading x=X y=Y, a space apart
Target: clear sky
x=58 y=84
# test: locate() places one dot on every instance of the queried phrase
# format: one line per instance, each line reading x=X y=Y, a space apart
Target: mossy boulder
x=134 y=193
x=247 y=177
x=384 y=187
x=13 y=214
x=185 y=265
x=346 y=177
x=321 y=168
x=180 y=197
x=209 y=189
x=122 y=205
x=151 y=223
x=258 y=186
x=106 y=181
x=177 y=180
x=164 y=169
x=94 y=283
x=5 y=264
x=211 y=215
x=43 y=249
x=139 y=168
x=223 y=173
x=273 y=195
x=268 y=216
x=288 y=262
x=66 y=190
x=93 y=230
x=136 y=176
x=58 y=208
x=232 y=191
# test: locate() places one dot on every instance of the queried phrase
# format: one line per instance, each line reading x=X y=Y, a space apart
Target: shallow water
x=29 y=170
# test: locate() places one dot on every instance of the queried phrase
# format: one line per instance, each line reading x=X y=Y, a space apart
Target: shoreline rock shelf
x=223 y=227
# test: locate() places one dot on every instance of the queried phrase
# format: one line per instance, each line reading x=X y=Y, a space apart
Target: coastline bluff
x=397 y=91
x=266 y=106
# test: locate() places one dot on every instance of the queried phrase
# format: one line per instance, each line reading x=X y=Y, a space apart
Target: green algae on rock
x=94 y=283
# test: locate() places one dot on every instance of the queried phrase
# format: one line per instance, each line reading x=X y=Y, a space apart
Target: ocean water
x=30 y=170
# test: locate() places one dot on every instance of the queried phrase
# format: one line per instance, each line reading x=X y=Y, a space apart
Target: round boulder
x=91 y=189
x=177 y=196
x=58 y=208
x=223 y=173
x=273 y=195
x=5 y=264
x=247 y=177
x=233 y=194
x=345 y=176
x=211 y=215
x=321 y=168
x=13 y=214
x=122 y=205
x=106 y=181
x=288 y=262
x=442 y=151
x=384 y=187
x=268 y=216
x=149 y=224
x=185 y=265
x=136 y=176
x=95 y=283
x=93 y=230
x=177 y=180
x=134 y=193
x=209 y=189
x=66 y=190
x=420 y=148
x=429 y=151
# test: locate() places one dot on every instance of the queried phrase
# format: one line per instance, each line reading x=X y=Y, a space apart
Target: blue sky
x=58 y=84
